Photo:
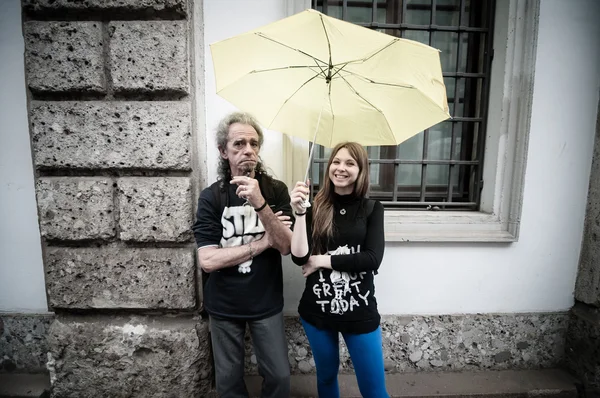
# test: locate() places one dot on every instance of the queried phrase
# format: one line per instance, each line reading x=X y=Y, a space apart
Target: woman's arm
x=300 y=248
x=369 y=257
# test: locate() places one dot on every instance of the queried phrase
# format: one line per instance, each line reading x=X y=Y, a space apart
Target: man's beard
x=247 y=169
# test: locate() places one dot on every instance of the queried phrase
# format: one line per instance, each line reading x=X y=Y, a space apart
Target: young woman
x=339 y=242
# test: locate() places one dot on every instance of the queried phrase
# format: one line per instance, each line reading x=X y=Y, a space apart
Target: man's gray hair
x=222 y=137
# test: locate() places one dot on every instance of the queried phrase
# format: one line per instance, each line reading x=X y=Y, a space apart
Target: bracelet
x=299 y=214
x=261 y=207
x=250 y=250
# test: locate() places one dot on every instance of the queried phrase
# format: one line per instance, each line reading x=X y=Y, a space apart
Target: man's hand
x=248 y=189
x=284 y=219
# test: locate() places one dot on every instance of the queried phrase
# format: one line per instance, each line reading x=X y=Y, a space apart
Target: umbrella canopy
x=325 y=80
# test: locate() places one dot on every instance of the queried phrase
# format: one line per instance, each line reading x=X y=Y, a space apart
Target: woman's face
x=343 y=172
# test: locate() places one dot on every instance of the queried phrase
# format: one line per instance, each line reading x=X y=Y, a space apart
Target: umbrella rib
x=290 y=97
x=374 y=82
x=327 y=37
x=285 y=67
x=360 y=96
x=374 y=107
x=370 y=56
x=286 y=46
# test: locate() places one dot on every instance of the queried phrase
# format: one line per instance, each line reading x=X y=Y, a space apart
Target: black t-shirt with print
x=253 y=289
x=343 y=299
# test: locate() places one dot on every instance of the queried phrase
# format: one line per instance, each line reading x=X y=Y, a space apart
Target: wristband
x=299 y=214
x=250 y=250
x=261 y=207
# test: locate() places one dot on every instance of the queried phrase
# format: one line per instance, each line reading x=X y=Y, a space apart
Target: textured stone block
x=155 y=209
x=149 y=57
x=64 y=57
x=111 y=135
x=583 y=346
x=113 y=9
x=117 y=277
x=76 y=208
x=449 y=343
x=121 y=357
x=587 y=288
x=23 y=342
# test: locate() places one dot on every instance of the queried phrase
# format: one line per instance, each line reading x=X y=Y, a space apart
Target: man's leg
x=270 y=346
x=227 y=337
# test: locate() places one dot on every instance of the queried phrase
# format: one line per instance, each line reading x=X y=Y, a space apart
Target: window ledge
x=445 y=226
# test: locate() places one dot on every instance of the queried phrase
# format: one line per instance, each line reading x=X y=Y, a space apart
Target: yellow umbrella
x=325 y=80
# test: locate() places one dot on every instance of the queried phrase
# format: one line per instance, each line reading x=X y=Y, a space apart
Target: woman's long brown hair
x=322 y=224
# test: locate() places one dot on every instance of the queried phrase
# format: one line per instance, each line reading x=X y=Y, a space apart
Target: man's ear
x=223 y=152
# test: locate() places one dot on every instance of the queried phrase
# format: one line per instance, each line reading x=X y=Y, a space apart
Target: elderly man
x=240 y=237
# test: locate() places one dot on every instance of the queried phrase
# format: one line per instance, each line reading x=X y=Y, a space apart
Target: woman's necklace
x=342 y=211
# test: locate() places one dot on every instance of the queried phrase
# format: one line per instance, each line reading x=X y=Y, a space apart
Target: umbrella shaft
x=312 y=148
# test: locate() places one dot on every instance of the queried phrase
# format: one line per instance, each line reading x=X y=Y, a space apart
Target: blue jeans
x=366 y=353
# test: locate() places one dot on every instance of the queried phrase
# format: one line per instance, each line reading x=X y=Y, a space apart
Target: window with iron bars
x=441 y=167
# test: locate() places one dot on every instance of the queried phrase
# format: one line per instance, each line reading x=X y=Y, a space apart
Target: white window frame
x=507 y=141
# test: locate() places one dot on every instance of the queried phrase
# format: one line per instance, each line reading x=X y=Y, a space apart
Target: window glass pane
x=374 y=168
x=447 y=12
x=457 y=140
x=411 y=149
x=422 y=36
x=409 y=175
x=447 y=43
x=383 y=185
x=437 y=178
x=418 y=12
x=440 y=140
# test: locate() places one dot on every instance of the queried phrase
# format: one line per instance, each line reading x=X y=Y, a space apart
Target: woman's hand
x=314 y=263
x=298 y=195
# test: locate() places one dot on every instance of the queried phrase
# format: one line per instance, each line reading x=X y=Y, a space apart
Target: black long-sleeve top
x=343 y=299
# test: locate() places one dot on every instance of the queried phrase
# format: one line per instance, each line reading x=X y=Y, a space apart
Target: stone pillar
x=583 y=337
x=113 y=137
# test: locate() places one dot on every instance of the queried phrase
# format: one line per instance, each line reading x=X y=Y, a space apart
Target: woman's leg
x=366 y=353
x=325 y=349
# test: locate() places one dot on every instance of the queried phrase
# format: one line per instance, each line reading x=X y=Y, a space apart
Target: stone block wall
x=448 y=343
x=24 y=342
x=113 y=138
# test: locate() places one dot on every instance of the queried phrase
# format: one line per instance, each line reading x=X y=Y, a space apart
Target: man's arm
x=208 y=231
x=214 y=258
x=280 y=236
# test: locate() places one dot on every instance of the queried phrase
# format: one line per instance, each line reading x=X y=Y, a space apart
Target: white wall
x=22 y=287
x=538 y=272
x=223 y=19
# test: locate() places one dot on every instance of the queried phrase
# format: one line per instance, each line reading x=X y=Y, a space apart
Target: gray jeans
x=270 y=347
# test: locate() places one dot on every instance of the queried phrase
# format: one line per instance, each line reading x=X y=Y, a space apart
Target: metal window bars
x=442 y=167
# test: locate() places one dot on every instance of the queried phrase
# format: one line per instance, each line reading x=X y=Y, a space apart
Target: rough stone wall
x=583 y=339
x=449 y=342
x=24 y=342
x=113 y=136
